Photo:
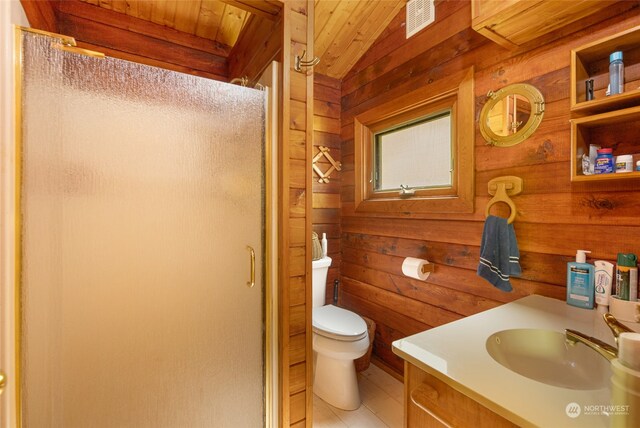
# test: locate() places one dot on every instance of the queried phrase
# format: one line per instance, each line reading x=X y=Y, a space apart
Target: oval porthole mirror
x=511 y=114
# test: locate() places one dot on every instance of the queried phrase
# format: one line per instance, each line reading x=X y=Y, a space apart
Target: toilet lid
x=337 y=323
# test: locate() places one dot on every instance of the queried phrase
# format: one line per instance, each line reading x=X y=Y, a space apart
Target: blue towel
x=499 y=255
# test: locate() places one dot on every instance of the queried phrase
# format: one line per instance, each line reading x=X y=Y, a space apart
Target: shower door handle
x=252 y=274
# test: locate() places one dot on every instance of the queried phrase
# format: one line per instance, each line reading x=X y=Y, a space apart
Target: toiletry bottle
x=624 y=163
x=324 y=245
x=603 y=282
x=580 y=285
x=616 y=73
x=627 y=277
x=588 y=89
x=604 y=162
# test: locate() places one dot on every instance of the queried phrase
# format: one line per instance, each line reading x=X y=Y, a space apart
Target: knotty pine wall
x=555 y=217
x=294 y=213
x=326 y=196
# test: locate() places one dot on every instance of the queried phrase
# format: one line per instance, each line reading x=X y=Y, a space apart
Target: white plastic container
x=624 y=163
x=323 y=242
x=603 y=282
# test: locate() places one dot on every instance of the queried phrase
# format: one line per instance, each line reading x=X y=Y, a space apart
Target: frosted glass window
x=416 y=155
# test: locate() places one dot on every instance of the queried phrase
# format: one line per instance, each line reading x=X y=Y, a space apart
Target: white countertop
x=456 y=354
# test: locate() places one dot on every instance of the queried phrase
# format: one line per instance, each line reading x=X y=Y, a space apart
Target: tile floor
x=381 y=396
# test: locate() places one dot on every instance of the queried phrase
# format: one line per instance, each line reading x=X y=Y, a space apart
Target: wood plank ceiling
x=344 y=29
x=220 y=21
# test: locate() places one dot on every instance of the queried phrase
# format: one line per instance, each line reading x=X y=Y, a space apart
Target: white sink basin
x=545 y=356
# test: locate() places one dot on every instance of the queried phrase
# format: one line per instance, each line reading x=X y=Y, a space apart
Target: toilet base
x=335 y=381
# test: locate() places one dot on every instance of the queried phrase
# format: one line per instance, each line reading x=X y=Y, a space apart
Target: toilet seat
x=337 y=323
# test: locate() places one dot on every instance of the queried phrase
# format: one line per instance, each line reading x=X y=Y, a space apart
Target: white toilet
x=339 y=337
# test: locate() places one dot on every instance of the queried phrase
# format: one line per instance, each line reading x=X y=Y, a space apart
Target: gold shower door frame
x=269 y=262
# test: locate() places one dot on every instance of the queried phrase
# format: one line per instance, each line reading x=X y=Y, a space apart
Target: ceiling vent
x=420 y=13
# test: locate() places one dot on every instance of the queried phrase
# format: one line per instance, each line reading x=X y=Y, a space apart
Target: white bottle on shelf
x=323 y=242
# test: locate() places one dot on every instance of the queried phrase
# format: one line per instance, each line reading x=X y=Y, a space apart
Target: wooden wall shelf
x=618 y=129
x=608 y=121
x=591 y=61
x=604 y=103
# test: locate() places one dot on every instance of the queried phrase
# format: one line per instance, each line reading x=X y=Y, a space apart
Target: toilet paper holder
x=428 y=268
x=417 y=268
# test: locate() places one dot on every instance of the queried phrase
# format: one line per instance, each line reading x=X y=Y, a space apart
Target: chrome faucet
x=607 y=351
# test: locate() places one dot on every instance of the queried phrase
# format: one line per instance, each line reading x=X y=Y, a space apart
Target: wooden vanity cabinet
x=511 y=23
x=429 y=402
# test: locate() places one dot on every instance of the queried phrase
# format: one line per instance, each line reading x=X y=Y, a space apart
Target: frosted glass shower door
x=141 y=190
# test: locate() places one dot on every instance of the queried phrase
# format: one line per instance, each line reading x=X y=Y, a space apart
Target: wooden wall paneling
x=297 y=290
x=548 y=268
x=259 y=43
x=326 y=196
x=297 y=348
x=381 y=58
x=133 y=24
x=297 y=415
x=393 y=35
x=385 y=319
x=298 y=200
x=305 y=25
x=299 y=87
x=555 y=216
x=285 y=211
x=114 y=53
x=141 y=46
x=298 y=376
x=295 y=222
x=297 y=145
x=41 y=15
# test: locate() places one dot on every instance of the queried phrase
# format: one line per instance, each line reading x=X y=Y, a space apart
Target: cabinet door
x=431 y=403
x=511 y=23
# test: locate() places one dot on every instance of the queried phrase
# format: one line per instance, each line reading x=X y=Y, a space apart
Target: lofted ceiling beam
x=134 y=39
x=41 y=14
x=125 y=22
x=259 y=44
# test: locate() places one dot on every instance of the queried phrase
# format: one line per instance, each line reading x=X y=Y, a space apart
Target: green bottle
x=627 y=277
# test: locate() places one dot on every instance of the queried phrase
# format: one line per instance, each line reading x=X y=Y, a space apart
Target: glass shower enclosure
x=140 y=209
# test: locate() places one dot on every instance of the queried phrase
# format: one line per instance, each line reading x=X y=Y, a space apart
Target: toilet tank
x=319 y=280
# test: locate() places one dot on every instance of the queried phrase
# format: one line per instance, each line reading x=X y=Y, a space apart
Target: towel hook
x=501 y=188
x=299 y=63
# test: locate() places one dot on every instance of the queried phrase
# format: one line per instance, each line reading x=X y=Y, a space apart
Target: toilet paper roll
x=413 y=268
x=629 y=350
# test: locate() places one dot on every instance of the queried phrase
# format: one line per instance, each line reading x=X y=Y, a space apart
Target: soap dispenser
x=580 y=285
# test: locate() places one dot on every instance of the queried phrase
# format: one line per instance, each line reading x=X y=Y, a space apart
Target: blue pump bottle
x=580 y=284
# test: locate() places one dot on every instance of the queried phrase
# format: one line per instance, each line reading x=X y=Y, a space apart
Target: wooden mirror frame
x=454 y=91
x=536 y=100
